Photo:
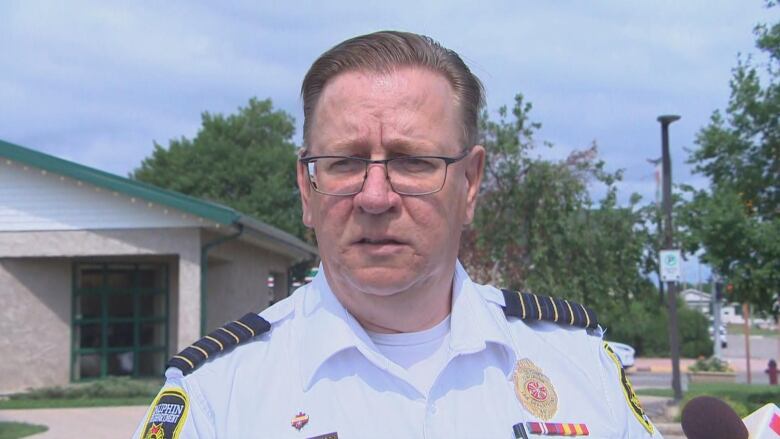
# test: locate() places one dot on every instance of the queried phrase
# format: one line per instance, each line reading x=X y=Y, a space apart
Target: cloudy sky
x=98 y=82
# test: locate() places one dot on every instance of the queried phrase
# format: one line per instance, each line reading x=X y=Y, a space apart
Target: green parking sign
x=671 y=265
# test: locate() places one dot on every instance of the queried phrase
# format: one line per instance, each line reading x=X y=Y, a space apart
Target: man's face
x=377 y=241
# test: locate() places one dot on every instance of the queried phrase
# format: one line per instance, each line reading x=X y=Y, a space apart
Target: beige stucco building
x=102 y=275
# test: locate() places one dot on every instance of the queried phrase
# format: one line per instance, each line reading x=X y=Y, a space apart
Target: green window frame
x=120 y=319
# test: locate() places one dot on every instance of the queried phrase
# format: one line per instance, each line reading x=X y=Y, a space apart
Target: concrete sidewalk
x=87 y=422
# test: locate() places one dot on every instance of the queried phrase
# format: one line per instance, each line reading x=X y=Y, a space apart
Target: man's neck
x=415 y=309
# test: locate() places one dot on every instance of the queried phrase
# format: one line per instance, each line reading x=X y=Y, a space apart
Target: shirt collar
x=327 y=328
x=477 y=318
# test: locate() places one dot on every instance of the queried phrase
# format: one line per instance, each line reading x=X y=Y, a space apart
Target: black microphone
x=705 y=417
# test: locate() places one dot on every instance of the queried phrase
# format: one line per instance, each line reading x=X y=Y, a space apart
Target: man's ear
x=475 y=167
x=304 y=186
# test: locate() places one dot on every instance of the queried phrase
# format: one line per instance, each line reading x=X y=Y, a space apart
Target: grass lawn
x=52 y=403
x=743 y=398
x=99 y=393
x=738 y=330
x=14 y=430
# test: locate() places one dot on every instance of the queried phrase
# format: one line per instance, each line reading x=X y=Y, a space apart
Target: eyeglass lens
x=408 y=175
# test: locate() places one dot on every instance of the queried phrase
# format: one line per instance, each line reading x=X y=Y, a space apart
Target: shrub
x=712 y=364
x=694 y=339
x=645 y=326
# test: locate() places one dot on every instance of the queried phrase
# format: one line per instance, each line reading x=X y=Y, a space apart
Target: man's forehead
x=387 y=87
x=401 y=108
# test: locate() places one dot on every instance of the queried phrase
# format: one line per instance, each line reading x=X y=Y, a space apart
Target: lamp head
x=666 y=119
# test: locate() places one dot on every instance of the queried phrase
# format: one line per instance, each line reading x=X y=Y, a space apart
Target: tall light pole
x=717 y=297
x=674 y=336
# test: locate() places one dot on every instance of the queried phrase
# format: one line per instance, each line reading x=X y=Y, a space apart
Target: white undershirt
x=423 y=354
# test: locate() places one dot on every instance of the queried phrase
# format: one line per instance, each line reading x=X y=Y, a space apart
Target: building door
x=120 y=320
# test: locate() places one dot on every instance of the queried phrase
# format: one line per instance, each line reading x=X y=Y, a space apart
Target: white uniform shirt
x=319 y=362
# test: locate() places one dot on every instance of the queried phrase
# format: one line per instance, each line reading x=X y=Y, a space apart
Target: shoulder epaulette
x=221 y=340
x=529 y=306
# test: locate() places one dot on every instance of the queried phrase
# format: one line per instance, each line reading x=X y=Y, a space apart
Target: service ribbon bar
x=557 y=429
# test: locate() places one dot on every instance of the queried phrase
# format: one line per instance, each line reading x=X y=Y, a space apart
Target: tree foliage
x=537 y=228
x=645 y=326
x=737 y=220
x=244 y=160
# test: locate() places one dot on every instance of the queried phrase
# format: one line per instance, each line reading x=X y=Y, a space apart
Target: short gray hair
x=384 y=51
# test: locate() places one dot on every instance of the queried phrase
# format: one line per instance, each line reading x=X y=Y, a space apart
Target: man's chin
x=382 y=280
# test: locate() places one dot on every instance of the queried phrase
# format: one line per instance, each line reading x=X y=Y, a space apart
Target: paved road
x=92 y=423
x=641 y=380
x=664 y=379
x=760 y=347
x=656 y=372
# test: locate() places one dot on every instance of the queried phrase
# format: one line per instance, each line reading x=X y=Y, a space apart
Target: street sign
x=671 y=265
x=311 y=273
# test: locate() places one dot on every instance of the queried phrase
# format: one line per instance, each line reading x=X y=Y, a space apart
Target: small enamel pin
x=300 y=420
x=534 y=390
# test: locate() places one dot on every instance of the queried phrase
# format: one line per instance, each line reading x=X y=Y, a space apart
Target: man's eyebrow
x=394 y=148
x=411 y=147
x=342 y=148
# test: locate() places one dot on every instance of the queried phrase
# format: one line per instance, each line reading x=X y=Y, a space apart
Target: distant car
x=624 y=352
x=721 y=336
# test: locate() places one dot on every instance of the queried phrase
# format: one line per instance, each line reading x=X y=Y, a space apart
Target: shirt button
x=432 y=409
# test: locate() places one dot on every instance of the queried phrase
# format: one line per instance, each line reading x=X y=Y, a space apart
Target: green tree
x=244 y=160
x=737 y=220
x=537 y=228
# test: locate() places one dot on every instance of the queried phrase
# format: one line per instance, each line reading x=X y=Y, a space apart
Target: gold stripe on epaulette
x=538 y=307
x=522 y=304
x=185 y=359
x=555 y=309
x=251 y=331
x=219 y=343
x=231 y=333
x=587 y=317
x=571 y=312
x=202 y=351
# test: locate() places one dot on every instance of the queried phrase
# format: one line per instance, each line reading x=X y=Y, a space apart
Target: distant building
x=102 y=275
x=702 y=302
x=730 y=313
x=698 y=300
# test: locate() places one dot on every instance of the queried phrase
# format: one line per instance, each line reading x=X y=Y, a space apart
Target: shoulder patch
x=221 y=340
x=628 y=392
x=529 y=306
x=167 y=415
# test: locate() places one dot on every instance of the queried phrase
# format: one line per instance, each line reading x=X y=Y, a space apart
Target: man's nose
x=377 y=195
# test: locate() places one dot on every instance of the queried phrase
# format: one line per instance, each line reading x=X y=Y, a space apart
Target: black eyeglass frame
x=447 y=162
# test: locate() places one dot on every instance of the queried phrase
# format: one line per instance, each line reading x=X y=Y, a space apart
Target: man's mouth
x=379 y=241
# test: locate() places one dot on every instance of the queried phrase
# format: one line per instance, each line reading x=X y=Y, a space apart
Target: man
x=392 y=339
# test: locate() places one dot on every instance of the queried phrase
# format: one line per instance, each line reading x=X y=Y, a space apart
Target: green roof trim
x=195 y=206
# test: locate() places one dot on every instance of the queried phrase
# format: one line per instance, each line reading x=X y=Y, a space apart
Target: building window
x=120 y=320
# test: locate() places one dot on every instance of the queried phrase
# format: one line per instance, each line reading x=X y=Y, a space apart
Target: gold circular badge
x=534 y=390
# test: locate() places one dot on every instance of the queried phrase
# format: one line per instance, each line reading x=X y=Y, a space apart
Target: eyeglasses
x=408 y=175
